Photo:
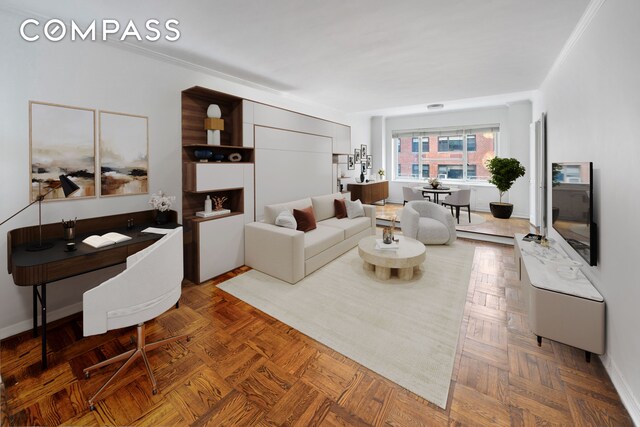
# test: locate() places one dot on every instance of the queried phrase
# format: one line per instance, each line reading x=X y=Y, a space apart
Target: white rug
x=464 y=218
x=404 y=331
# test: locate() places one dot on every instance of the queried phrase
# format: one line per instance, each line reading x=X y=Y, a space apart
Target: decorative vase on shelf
x=162 y=217
x=361 y=177
x=203 y=154
x=214 y=111
x=218 y=157
x=213 y=136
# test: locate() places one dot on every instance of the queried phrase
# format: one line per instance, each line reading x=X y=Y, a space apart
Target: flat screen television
x=572 y=207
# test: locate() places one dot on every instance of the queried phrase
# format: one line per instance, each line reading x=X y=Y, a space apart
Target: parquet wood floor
x=243 y=367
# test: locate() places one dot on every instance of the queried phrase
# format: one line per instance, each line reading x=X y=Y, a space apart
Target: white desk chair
x=150 y=285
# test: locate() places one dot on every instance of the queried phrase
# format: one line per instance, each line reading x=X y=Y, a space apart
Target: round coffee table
x=405 y=259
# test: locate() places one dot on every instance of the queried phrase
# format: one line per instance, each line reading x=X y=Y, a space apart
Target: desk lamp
x=68 y=187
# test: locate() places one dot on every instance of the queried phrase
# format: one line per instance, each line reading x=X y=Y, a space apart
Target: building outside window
x=417 y=159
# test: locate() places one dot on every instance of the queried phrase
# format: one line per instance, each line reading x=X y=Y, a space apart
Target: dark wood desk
x=36 y=269
x=369 y=192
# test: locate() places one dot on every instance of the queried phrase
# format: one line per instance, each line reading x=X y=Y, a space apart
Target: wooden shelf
x=217 y=190
x=211 y=218
x=233 y=147
x=222 y=180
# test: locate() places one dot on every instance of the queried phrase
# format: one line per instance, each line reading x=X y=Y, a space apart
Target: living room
x=574 y=63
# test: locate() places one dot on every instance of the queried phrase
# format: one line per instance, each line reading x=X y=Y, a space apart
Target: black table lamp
x=68 y=187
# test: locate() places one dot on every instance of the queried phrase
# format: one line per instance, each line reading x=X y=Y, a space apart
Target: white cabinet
x=563 y=308
x=215 y=176
x=341 y=139
x=221 y=245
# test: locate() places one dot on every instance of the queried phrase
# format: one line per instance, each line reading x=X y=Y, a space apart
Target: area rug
x=404 y=331
x=464 y=219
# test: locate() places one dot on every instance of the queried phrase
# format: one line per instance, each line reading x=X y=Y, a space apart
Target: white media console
x=563 y=304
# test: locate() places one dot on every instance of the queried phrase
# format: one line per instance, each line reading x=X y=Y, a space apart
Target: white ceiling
x=356 y=55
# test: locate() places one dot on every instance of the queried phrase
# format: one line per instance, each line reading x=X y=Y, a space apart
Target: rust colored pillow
x=340 y=207
x=305 y=218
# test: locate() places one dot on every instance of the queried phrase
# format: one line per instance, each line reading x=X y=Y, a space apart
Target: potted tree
x=504 y=172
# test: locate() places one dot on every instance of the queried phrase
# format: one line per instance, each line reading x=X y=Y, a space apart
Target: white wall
x=100 y=76
x=514 y=122
x=593 y=106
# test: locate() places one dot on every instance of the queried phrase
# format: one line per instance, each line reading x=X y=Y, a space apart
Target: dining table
x=437 y=191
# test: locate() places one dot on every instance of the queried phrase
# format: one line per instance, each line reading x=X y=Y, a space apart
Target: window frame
x=459 y=134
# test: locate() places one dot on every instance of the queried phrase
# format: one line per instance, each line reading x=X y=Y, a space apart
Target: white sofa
x=289 y=254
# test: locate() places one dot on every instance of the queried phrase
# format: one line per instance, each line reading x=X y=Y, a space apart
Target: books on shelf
x=105 y=240
x=532 y=238
x=203 y=214
x=393 y=246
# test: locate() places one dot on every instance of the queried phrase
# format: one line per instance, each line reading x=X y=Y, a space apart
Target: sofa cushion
x=320 y=239
x=271 y=211
x=306 y=220
x=432 y=232
x=340 y=208
x=287 y=220
x=354 y=209
x=351 y=227
x=323 y=205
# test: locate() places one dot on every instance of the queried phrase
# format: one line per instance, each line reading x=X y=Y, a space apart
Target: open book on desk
x=105 y=240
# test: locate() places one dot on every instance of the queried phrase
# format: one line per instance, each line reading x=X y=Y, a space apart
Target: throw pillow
x=340 y=207
x=354 y=209
x=305 y=218
x=287 y=220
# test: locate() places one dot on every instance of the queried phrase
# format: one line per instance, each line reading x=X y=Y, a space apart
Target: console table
x=36 y=269
x=369 y=192
x=563 y=308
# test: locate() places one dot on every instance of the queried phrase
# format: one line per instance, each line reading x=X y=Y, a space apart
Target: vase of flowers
x=434 y=182
x=161 y=204
x=381 y=173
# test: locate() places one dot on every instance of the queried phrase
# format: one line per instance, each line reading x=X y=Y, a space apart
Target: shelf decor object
x=235 y=157
x=213 y=124
x=203 y=154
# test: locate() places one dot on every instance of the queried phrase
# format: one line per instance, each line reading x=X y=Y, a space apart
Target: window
x=414 y=145
x=471 y=143
x=425 y=171
x=471 y=172
x=450 y=171
x=457 y=154
x=450 y=143
x=425 y=144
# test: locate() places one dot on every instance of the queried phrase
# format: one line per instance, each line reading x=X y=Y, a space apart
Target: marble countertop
x=553 y=270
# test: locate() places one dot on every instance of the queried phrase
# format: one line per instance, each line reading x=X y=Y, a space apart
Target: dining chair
x=459 y=199
x=149 y=286
x=413 y=193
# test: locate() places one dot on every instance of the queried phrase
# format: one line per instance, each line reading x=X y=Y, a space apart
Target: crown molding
x=590 y=12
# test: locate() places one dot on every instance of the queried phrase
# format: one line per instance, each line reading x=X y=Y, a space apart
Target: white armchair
x=150 y=285
x=428 y=223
